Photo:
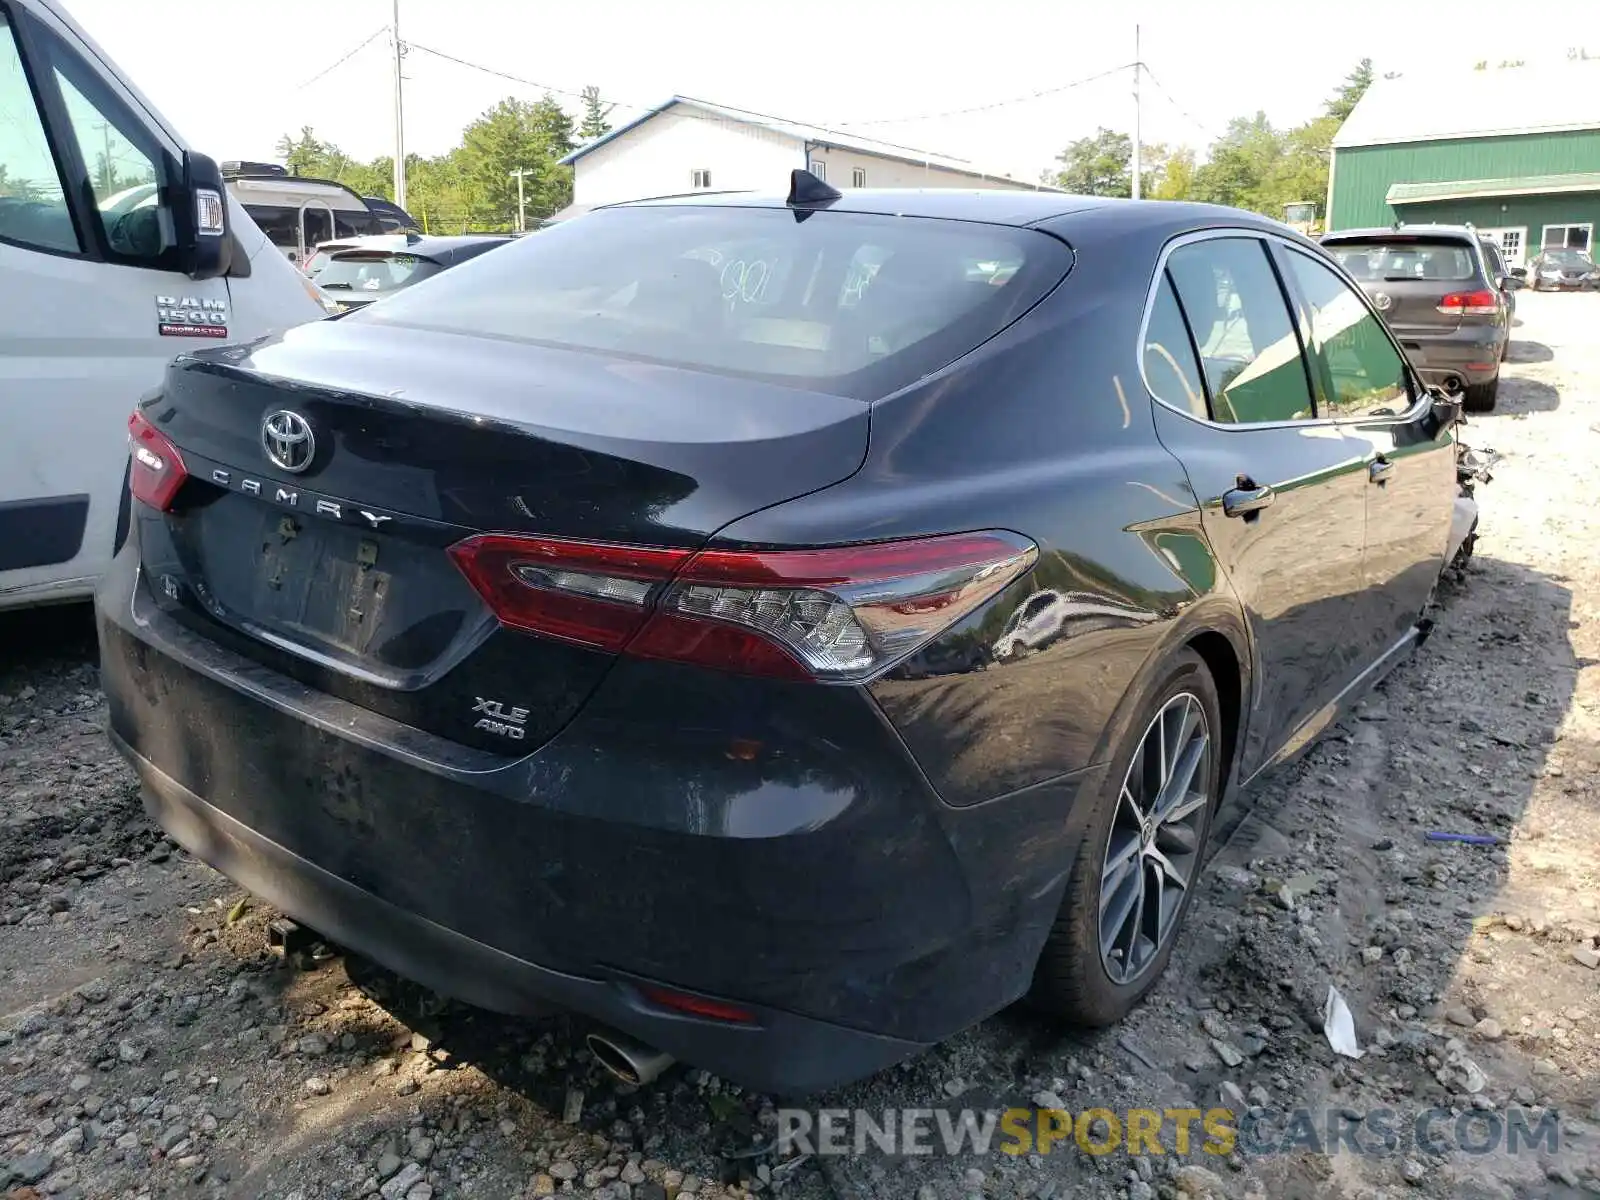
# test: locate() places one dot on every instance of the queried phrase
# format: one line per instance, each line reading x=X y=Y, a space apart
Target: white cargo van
x=119 y=249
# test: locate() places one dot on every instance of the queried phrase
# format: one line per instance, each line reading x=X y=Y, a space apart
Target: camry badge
x=1383 y=300
x=287 y=438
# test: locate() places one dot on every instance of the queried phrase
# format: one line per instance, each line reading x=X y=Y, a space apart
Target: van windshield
x=849 y=303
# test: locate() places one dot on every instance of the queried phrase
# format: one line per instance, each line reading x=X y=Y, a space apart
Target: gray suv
x=1446 y=295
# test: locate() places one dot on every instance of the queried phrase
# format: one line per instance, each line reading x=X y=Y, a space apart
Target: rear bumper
x=1470 y=353
x=780 y=1052
x=821 y=884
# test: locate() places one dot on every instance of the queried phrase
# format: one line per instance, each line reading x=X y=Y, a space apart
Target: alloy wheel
x=1153 y=851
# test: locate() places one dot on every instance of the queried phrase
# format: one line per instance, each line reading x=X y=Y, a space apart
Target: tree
x=1238 y=164
x=1177 y=176
x=1097 y=166
x=1349 y=93
x=304 y=155
x=593 y=123
x=1102 y=165
x=517 y=135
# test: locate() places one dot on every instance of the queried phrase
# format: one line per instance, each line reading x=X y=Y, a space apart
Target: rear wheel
x=1480 y=397
x=1140 y=860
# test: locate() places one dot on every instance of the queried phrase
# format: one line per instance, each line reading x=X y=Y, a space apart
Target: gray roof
x=1434 y=106
x=817 y=135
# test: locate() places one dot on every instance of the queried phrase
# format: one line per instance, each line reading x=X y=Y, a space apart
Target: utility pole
x=522 y=218
x=1138 y=67
x=399 y=116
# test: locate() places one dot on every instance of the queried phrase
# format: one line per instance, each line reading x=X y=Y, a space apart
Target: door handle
x=1245 y=502
x=1379 y=470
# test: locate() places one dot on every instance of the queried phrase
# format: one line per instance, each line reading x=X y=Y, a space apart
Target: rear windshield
x=372 y=271
x=847 y=303
x=1398 y=259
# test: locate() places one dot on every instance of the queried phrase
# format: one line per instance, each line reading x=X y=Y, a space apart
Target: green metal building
x=1515 y=151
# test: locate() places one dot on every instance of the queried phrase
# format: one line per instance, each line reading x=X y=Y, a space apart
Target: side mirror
x=1520 y=273
x=1511 y=283
x=202 y=219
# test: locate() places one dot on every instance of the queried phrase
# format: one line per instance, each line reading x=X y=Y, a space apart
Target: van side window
x=125 y=168
x=33 y=205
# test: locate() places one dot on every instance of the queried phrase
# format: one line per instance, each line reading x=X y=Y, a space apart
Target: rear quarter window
x=847 y=303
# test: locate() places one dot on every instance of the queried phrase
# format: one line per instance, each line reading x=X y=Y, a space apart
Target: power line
x=544 y=87
x=374 y=36
x=681 y=116
x=1210 y=133
x=961 y=112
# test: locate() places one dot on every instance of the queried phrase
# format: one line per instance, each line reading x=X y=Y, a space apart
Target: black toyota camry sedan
x=785 y=630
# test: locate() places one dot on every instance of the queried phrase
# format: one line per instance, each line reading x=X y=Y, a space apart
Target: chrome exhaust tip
x=629 y=1060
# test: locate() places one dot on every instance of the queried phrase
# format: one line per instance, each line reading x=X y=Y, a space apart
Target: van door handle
x=1379 y=470
x=1244 y=501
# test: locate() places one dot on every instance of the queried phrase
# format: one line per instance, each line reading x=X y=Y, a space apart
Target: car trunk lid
x=331 y=562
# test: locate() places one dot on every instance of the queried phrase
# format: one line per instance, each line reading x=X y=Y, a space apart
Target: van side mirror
x=1520 y=273
x=1512 y=283
x=202 y=219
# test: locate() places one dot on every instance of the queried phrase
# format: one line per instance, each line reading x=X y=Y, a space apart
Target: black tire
x=1071 y=981
x=1480 y=397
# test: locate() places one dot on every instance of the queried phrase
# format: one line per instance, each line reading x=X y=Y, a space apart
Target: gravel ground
x=151 y=1045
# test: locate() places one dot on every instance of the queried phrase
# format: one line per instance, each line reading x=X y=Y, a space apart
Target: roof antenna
x=806 y=188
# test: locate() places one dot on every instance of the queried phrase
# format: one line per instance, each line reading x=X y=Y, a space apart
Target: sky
x=236 y=80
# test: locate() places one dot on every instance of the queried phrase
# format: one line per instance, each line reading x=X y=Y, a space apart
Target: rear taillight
x=843 y=613
x=1469 y=303
x=584 y=592
x=157 y=471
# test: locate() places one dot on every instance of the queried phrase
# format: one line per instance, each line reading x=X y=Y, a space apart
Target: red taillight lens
x=583 y=592
x=1481 y=303
x=843 y=613
x=158 y=471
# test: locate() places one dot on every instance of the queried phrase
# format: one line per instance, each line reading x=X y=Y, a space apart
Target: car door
x=1364 y=384
x=92 y=303
x=1281 y=492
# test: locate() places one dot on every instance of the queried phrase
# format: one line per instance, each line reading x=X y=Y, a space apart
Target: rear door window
x=1248 y=348
x=850 y=303
x=1362 y=372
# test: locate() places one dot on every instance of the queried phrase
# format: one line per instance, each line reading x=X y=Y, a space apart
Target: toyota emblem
x=1383 y=300
x=287 y=438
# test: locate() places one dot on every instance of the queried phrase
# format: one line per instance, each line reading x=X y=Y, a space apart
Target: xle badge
x=497 y=718
x=191 y=316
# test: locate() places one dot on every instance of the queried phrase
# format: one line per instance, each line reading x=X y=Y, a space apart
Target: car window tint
x=1362 y=372
x=1248 y=348
x=1169 y=362
x=850 y=303
x=33 y=206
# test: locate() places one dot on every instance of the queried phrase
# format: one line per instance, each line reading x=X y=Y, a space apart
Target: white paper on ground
x=1339 y=1025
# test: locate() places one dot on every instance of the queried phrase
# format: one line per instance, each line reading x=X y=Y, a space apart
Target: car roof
x=995 y=206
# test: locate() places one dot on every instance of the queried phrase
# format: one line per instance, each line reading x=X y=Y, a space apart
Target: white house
x=686 y=145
